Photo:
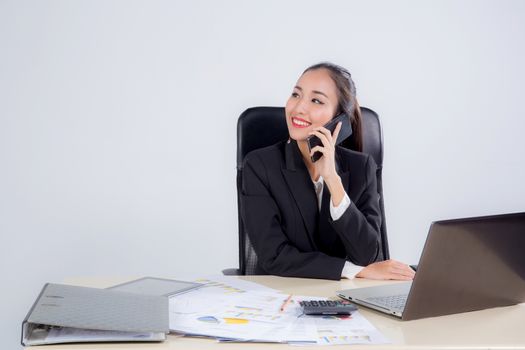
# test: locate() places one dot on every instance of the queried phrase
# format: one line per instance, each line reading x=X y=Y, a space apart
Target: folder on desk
x=71 y=314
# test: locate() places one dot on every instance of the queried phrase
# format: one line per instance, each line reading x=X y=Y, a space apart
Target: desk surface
x=502 y=328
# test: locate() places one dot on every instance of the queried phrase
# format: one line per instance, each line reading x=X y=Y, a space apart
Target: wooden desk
x=498 y=328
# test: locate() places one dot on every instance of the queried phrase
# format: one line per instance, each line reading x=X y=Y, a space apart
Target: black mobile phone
x=344 y=133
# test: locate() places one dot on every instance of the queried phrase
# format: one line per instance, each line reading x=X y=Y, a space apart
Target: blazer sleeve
x=359 y=226
x=262 y=222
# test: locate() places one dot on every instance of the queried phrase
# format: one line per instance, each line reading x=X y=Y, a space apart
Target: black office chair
x=264 y=126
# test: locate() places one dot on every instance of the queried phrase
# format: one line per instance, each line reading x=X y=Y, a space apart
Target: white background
x=118 y=124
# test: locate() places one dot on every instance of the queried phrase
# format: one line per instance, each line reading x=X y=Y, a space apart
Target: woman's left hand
x=325 y=166
x=387 y=270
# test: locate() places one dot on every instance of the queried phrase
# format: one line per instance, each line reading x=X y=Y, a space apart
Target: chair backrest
x=264 y=126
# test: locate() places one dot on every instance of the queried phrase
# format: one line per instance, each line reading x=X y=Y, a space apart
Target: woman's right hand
x=387 y=270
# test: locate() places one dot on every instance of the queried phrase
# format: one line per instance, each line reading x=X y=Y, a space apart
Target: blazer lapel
x=345 y=177
x=302 y=188
x=324 y=239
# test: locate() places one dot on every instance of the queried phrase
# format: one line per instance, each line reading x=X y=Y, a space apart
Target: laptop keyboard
x=396 y=302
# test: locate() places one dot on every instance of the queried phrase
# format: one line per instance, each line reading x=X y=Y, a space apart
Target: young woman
x=322 y=219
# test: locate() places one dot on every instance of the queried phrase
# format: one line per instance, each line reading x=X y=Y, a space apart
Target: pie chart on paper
x=208 y=319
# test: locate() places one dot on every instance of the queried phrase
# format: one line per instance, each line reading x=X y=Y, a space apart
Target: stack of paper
x=230 y=309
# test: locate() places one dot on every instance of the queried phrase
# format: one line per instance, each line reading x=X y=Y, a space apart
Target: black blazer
x=290 y=236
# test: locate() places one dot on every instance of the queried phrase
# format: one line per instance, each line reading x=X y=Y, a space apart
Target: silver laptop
x=466 y=265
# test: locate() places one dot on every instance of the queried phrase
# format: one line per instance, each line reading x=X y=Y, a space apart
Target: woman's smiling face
x=312 y=104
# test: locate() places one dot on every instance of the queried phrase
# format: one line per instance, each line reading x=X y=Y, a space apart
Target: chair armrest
x=231 y=272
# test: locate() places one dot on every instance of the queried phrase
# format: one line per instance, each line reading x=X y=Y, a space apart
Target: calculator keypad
x=327 y=307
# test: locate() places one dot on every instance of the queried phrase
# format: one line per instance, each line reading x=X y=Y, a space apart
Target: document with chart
x=227 y=311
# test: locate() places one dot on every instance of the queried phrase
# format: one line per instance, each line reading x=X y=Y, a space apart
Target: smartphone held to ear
x=345 y=132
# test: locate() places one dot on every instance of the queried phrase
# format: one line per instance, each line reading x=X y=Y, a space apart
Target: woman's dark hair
x=346 y=96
